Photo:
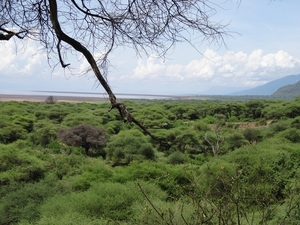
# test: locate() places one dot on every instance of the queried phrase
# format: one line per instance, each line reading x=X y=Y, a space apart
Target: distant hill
x=271 y=87
x=288 y=91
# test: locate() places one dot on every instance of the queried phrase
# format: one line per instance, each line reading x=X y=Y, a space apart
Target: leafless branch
x=88 y=27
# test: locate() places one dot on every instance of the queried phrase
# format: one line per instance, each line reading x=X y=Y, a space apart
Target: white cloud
x=27 y=60
x=231 y=68
x=235 y=69
x=151 y=68
x=175 y=71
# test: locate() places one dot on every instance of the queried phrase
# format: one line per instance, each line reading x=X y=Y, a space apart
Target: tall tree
x=87 y=27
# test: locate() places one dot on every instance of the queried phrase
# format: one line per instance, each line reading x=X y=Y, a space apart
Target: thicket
x=221 y=163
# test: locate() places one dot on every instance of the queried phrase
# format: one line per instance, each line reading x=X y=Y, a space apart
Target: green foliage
x=64 y=166
x=128 y=146
x=183 y=139
x=291 y=134
x=201 y=126
x=235 y=140
x=210 y=120
x=114 y=127
x=44 y=132
x=55 y=146
x=97 y=172
x=278 y=126
x=173 y=180
x=176 y=158
x=155 y=117
x=233 y=119
x=75 y=119
x=102 y=200
x=217 y=174
x=255 y=108
x=17 y=165
x=70 y=218
x=26 y=121
x=296 y=122
x=21 y=201
x=44 y=181
x=53 y=112
x=253 y=135
x=10 y=132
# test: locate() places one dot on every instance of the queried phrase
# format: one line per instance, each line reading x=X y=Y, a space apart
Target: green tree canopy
x=129 y=145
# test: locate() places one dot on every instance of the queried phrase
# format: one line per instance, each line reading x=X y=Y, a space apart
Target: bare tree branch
x=89 y=27
x=7 y=35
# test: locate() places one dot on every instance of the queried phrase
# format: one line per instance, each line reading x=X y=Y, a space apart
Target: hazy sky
x=265 y=47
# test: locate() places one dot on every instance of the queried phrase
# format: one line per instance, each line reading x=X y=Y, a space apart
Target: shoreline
x=42 y=98
x=83 y=97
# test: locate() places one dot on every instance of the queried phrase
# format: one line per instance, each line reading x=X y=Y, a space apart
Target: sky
x=263 y=46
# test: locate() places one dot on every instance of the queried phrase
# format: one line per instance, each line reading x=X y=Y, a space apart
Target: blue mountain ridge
x=271 y=87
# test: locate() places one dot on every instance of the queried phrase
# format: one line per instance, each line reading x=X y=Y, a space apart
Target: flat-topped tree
x=86 y=136
x=88 y=27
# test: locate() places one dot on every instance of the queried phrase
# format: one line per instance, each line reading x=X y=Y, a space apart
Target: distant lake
x=84 y=95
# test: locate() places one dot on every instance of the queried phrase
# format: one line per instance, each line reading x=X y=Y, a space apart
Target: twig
x=152 y=205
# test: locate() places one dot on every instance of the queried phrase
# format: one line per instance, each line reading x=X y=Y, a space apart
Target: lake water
x=90 y=95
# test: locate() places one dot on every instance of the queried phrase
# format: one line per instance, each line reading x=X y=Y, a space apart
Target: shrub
x=253 y=135
x=128 y=146
x=280 y=125
x=75 y=119
x=21 y=201
x=102 y=200
x=233 y=119
x=292 y=134
x=201 y=126
x=234 y=141
x=210 y=120
x=86 y=136
x=176 y=158
x=44 y=133
x=296 y=122
x=17 y=165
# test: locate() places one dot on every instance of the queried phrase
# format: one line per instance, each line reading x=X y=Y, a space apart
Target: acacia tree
x=85 y=136
x=88 y=27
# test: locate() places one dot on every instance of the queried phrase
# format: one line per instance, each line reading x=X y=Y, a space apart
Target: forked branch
x=91 y=60
x=7 y=34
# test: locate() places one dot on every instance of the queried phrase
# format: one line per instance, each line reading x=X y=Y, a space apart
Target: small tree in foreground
x=85 y=136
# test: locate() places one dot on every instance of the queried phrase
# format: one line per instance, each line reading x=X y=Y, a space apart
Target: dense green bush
x=177 y=158
x=296 y=122
x=179 y=181
x=96 y=172
x=253 y=135
x=102 y=200
x=21 y=201
x=44 y=132
x=292 y=134
x=234 y=141
x=129 y=145
x=10 y=132
x=75 y=119
x=18 y=166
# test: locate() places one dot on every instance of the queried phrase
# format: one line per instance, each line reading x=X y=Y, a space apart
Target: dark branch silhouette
x=88 y=27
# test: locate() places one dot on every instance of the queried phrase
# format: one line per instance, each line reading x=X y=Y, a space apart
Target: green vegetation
x=288 y=92
x=218 y=162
